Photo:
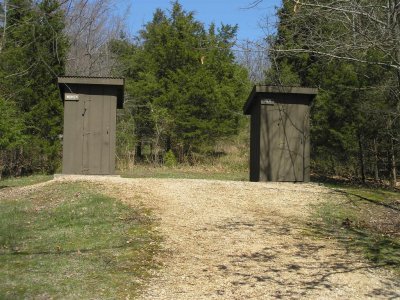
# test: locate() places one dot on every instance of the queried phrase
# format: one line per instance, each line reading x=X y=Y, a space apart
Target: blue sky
x=207 y=11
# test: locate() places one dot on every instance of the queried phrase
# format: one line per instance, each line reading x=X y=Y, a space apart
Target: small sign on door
x=267 y=102
x=71 y=97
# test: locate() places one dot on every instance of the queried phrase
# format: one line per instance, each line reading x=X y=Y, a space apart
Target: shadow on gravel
x=296 y=269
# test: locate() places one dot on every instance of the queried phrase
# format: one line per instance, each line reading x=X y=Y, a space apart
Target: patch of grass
x=185 y=172
x=24 y=181
x=366 y=220
x=68 y=241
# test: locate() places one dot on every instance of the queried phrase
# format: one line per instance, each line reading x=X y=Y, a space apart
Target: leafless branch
x=90 y=27
x=346 y=30
x=253 y=4
x=294 y=51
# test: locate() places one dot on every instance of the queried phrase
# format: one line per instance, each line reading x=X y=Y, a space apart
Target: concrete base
x=81 y=175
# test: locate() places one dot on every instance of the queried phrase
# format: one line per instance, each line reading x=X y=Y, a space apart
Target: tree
x=32 y=57
x=183 y=78
x=355 y=29
x=350 y=50
x=90 y=26
x=254 y=57
x=11 y=134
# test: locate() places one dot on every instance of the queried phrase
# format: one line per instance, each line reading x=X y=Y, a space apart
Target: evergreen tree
x=353 y=94
x=32 y=57
x=184 y=84
x=11 y=133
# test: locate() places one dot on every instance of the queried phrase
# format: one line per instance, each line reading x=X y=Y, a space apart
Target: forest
x=186 y=82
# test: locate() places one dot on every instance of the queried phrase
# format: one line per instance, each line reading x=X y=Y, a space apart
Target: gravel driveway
x=243 y=240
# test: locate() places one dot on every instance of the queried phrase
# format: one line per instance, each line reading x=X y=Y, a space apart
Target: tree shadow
x=297 y=269
x=71 y=251
x=372 y=201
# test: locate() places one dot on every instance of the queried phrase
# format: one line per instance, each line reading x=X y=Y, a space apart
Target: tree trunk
x=168 y=144
x=139 y=150
x=3 y=38
x=376 y=169
x=396 y=28
x=361 y=155
x=1 y=163
x=393 y=172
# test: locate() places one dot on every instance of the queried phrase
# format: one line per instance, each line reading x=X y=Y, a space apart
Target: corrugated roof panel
x=270 y=89
x=91 y=80
x=117 y=82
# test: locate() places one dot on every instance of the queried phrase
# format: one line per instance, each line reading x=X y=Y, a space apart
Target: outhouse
x=90 y=105
x=279 y=133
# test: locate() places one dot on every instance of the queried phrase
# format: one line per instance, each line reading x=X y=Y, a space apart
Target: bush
x=170 y=159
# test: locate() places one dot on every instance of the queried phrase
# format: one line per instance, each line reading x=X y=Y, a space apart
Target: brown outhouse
x=279 y=133
x=90 y=105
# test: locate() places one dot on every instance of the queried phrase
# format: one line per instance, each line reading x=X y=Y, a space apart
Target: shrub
x=170 y=159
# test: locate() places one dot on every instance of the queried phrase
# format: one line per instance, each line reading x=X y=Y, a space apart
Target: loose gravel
x=243 y=240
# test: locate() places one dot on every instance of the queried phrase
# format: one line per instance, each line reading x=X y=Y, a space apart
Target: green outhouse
x=90 y=105
x=280 y=133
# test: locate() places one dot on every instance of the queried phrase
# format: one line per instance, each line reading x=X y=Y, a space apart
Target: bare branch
x=341 y=9
x=294 y=51
x=253 y=4
x=348 y=30
x=90 y=27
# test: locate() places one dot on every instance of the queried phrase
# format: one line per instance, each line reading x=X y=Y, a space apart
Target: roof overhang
x=118 y=83
x=269 y=90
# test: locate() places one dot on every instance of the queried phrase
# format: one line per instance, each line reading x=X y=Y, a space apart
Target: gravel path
x=242 y=240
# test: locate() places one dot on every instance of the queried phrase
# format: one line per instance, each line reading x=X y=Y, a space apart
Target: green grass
x=24 y=181
x=68 y=241
x=185 y=172
x=366 y=221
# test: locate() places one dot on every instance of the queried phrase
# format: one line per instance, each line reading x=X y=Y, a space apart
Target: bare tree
x=91 y=25
x=349 y=30
x=254 y=57
x=3 y=23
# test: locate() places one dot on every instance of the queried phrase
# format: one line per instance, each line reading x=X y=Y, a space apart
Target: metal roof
x=84 y=76
x=91 y=80
x=269 y=89
x=117 y=82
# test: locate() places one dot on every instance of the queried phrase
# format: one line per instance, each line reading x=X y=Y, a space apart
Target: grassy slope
x=24 y=181
x=368 y=221
x=68 y=241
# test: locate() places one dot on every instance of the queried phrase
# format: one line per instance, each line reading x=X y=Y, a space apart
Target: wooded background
x=186 y=82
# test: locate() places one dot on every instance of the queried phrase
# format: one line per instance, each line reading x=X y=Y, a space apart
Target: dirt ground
x=242 y=240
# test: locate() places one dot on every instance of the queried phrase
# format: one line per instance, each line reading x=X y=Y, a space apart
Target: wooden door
x=291 y=142
x=73 y=129
x=89 y=131
x=99 y=131
x=283 y=142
